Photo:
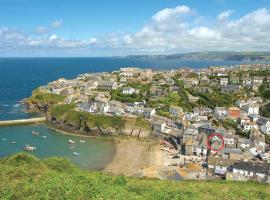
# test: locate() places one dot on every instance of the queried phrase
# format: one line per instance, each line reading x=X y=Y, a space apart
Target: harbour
x=93 y=153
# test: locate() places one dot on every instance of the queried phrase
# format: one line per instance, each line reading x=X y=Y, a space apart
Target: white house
x=149 y=112
x=176 y=111
x=265 y=128
x=224 y=81
x=130 y=90
x=257 y=80
x=220 y=112
x=249 y=126
x=252 y=109
x=249 y=169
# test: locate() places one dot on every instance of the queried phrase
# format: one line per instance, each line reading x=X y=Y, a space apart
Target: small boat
x=4 y=139
x=29 y=148
x=82 y=141
x=44 y=136
x=13 y=142
x=71 y=147
x=35 y=133
x=76 y=153
x=71 y=142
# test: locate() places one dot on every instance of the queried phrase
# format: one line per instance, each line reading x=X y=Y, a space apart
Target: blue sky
x=121 y=27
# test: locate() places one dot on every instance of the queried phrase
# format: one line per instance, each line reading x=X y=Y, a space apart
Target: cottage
x=257 y=80
x=230 y=89
x=224 y=81
x=249 y=125
x=130 y=90
x=219 y=165
x=234 y=80
x=234 y=112
x=106 y=85
x=190 y=146
x=265 y=128
x=204 y=80
x=174 y=89
x=220 y=112
x=156 y=91
x=88 y=107
x=257 y=170
x=189 y=82
x=190 y=133
x=246 y=82
x=243 y=143
x=149 y=112
x=129 y=72
x=176 y=111
x=204 y=90
x=193 y=99
x=252 y=109
x=207 y=128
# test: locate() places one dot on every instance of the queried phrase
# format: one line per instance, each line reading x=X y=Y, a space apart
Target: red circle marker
x=215 y=137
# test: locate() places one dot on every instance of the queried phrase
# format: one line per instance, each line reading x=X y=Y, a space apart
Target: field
x=25 y=177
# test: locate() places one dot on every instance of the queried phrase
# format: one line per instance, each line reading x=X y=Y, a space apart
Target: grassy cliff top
x=23 y=176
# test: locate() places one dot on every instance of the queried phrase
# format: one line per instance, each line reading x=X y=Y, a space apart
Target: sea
x=20 y=76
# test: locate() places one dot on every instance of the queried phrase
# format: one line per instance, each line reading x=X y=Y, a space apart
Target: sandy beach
x=133 y=155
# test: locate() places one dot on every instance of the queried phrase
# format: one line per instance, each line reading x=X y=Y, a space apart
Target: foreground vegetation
x=25 y=177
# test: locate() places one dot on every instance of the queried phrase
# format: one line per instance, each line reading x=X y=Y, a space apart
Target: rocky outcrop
x=82 y=127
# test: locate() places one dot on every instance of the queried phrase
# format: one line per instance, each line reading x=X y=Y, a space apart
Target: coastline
x=130 y=154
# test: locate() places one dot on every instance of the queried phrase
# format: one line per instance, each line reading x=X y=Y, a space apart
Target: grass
x=23 y=176
x=42 y=97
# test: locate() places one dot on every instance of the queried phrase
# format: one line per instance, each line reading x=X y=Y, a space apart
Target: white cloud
x=224 y=15
x=41 y=30
x=53 y=37
x=168 y=13
x=57 y=24
x=170 y=30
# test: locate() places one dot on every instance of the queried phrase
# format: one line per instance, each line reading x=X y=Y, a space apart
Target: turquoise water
x=95 y=153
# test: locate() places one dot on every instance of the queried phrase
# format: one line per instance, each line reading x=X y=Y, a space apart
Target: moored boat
x=35 y=133
x=13 y=142
x=76 y=153
x=82 y=141
x=29 y=148
x=71 y=141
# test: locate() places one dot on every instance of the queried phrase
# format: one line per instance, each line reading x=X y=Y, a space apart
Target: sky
x=92 y=28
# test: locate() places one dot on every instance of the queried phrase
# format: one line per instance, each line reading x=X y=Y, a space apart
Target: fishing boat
x=35 y=133
x=13 y=142
x=44 y=136
x=71 y=141
x=82 y=141
x=71 y=147
x=29 y=148
x=76 y=153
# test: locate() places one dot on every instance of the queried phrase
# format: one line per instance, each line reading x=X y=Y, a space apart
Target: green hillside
x=25 y=177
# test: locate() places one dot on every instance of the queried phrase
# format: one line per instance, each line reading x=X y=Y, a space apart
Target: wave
x=4 y=105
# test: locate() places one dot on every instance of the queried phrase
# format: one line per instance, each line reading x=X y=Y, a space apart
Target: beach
x=133 y=155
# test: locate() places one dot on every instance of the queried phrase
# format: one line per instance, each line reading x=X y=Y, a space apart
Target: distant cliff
x=212 y=56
